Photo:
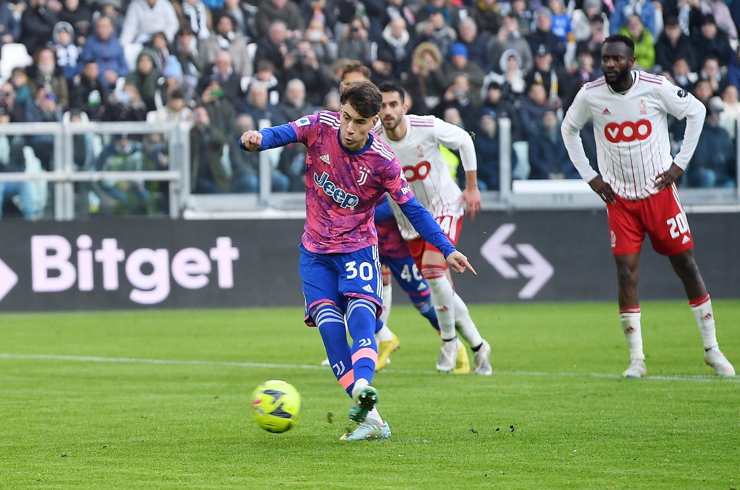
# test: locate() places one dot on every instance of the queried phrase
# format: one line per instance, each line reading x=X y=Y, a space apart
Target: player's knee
x=627 y=276
x=433 y=271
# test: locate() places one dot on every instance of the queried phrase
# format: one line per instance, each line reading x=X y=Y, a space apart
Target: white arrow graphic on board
x=8 y=279
x=537 y=269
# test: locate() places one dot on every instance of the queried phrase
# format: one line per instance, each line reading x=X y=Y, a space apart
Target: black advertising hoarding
x=137 y=263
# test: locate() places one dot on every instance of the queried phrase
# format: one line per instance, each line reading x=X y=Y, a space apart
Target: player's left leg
x=670 y=235
x=360 y=283
x=701 y=306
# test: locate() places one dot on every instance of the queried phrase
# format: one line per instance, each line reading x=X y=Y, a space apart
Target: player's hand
x=604 y=190
x=252 y=140
x=458 y=262
x=471 y=197
x=669 y=177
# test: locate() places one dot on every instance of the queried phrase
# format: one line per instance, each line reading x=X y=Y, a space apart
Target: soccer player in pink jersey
x=637 y=181
x=347 y=171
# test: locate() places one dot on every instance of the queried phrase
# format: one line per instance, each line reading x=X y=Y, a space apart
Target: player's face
x=350 y=78
x=354 y=127
x=616 y=61
x=392 y=110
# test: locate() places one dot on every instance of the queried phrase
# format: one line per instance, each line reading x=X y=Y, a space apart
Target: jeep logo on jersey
x=628 y=131
x=420 y=171
x=340 y=196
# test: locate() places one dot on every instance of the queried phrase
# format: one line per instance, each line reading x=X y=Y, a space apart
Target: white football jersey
x=631 y=130
x=426 y=169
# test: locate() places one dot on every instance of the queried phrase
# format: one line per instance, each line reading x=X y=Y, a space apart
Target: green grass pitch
x=160 y=399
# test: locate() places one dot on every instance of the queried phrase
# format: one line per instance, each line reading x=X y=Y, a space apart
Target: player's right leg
x=387 y=340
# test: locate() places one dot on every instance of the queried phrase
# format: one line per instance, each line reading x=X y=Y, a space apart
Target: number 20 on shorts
x=678 y=225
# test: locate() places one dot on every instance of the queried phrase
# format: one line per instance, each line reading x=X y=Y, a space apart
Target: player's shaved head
x=620 y=39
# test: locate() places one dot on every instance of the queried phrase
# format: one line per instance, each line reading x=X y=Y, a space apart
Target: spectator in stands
x=476 y=43
x=710 y=41
x=512 y=79
x=265 y=74
x=23 y=90
x=105 y=49
x=43 y=109
x=495 y=102
x=523 y=15
x=582 y=18
x=37 y=23
x=208 y=175
x=461 y=65
x=644 y=43
x=355 y=43
x=10 y=28
x=646 y=11
x=302 y=63
x=487 y=15
x=79 y=16
x=8 y=104
x=561 y=20
x=716 y=8
x=585 y=72
x=703 y=91
x=462 y=96
x=259 y=107
x=673 y=44
x=227 y=38
x=229 y=82
x=13 y=160
x=435 y=29
x=487 y=152
x=682 y=74
x=295 y=105
x=544 y=73
x=543 y=35
x=243 y=16
x=112 y=10
x=122 y=197
x=710 y=71
x=186 y=52
x=87 y=92
x=532 y=111
x=245 y=165
x=274 y=47
x=196 y=18
x=168 y=64
x=382 y=69
x=279 y=10
x=731 y=114
x=147 y=17
x=713 y=161
x=426 y=81
x=45 y=73
x=125 y=104
x=733 y=69
x=146 y=78
x=547 y=155
x=508 y=38
x=175 y=111
x=67 y=53
x=220 y=109
x=596 y=38
x=396 y=45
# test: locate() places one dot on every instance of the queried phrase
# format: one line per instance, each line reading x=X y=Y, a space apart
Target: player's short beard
x=396 y=122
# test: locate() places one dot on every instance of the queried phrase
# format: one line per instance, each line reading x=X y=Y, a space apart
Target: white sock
x=384 y=334
x=443 y=299
x=630 y=322
x=705 y=321
x=373 y=416
x=466 y=325
x=360 y=384
x=387 y=302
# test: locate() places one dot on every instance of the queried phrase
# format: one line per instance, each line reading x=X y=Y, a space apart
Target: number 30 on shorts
x=678 y=225
x=364 y=270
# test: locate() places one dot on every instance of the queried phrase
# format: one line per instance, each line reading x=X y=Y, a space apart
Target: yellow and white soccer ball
x=276 y=405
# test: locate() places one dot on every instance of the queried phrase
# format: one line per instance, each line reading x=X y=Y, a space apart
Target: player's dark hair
x=620 y=38
x=392 y=87
x=355 y=66
x=364 y=97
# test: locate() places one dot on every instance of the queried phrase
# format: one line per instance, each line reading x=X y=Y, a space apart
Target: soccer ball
x=276 y=405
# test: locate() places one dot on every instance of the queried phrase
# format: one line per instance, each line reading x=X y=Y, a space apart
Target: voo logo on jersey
x=340 y=196
x=628 y=131
x=420 y=171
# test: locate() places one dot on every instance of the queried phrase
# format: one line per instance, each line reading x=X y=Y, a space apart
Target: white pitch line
x=265 y=365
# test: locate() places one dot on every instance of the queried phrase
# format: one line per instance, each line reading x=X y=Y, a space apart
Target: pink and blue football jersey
x=343 y=186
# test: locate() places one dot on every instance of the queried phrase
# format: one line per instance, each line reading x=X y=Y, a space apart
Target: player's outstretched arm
x=267 y=138
x=430 y=231
x=458 y=139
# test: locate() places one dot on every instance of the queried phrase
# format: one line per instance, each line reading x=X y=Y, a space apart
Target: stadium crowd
x=230 y=65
